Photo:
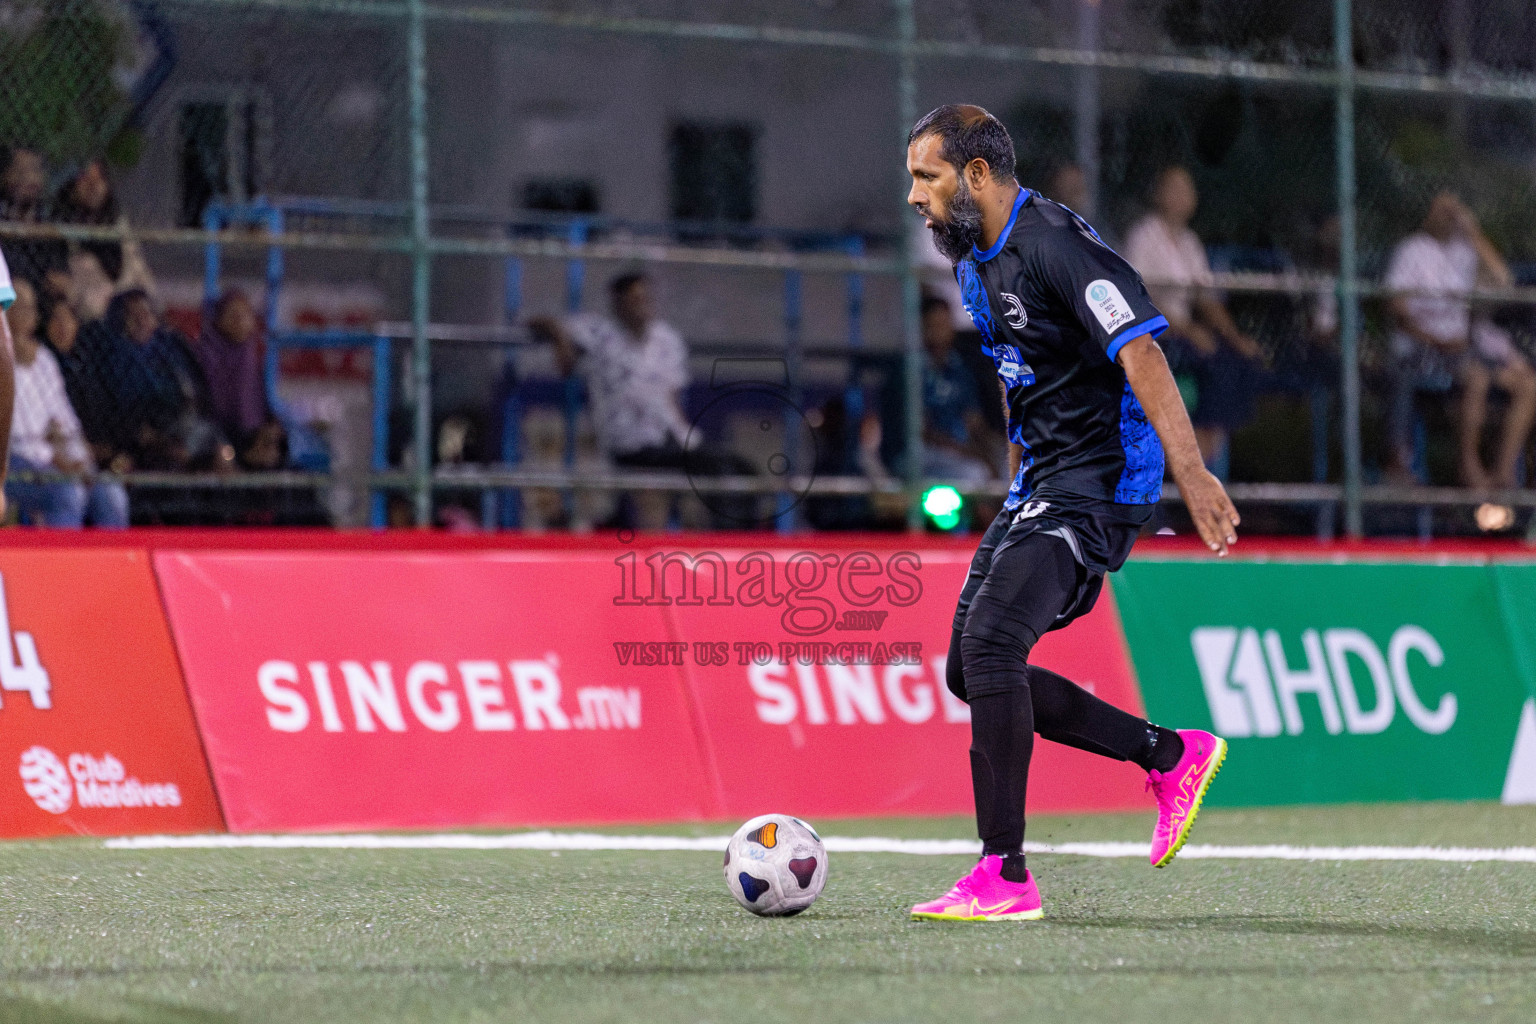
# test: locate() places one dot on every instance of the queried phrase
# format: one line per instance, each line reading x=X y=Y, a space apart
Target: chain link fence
x=319 y=252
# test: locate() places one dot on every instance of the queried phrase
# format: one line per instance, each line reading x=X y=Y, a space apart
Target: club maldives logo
x=89 y=781
x=1253 y=686
x=46 y=781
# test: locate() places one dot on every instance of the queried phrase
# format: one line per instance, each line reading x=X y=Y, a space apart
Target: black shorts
x=1099 y=535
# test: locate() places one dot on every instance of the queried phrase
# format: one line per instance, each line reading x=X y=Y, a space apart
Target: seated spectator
x=90 y=381
x=98 y=269
x=1202 y=340
x=636 y=367
x=23 y=193
x=1437 y=341
x=46 y=437
x=161 y=391
x=954 y=433
x=229 y=353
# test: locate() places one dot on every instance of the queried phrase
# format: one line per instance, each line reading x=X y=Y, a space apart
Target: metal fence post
x=785 y=518
x=421 y=263
x=378 y=501
x=1349 y=293
x=911 y=330
x=1085 y=103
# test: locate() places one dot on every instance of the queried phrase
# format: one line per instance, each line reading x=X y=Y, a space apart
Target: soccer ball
x=775 y=865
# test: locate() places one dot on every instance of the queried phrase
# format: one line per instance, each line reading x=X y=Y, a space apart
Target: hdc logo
x=1252 y=686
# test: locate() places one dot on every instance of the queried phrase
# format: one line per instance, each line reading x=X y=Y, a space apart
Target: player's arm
x=1147 y=372
x=1112 y=304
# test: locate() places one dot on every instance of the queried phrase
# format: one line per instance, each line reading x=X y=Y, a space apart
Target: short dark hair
x=620 y=285
x=967 y=132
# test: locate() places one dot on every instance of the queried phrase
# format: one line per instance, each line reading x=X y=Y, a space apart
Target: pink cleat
x=1180 y=791
x=984 y=895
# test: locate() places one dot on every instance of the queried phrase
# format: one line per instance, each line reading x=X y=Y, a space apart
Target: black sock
x=1067 y=713
x=1160 y=750
x=1013 y=868
x=1002 y=740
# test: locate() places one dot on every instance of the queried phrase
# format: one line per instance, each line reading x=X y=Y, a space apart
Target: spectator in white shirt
x=1202 y=339
x=1438 y=341
x=636 y=367
x=46 y=437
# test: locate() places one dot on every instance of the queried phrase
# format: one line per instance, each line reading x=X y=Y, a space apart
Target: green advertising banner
x=1332 y=683
x=1515 y=584
x=1516 y=587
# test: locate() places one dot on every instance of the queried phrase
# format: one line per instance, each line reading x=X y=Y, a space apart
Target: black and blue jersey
x=1054 y=306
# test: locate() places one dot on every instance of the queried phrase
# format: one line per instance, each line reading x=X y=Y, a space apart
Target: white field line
x=557 y=841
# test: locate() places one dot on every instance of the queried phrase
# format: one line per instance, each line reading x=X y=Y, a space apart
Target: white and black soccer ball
x=775 y=865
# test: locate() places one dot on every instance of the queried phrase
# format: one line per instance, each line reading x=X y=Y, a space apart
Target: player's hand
x=1214 y=516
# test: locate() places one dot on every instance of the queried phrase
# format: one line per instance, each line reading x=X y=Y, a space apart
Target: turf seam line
x=585 y=841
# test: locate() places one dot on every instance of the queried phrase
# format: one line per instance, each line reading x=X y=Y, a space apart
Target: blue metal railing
x=502 y=507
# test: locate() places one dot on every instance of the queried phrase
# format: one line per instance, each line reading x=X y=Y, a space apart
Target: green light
x=942 y=503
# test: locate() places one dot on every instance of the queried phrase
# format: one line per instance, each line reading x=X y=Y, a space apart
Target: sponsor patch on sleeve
x=1108 y=305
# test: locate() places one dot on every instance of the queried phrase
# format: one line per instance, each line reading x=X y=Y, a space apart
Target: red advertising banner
x=340 y=691
x=819 y=674
x=96 y=737
x=641 y=682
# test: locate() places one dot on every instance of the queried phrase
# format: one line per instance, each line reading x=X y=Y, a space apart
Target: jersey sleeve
x=7 y=290
x=1103 y=291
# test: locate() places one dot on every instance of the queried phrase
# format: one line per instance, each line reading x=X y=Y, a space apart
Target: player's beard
x=960 y=230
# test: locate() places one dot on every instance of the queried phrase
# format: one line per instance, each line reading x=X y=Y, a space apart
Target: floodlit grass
x=347 y=935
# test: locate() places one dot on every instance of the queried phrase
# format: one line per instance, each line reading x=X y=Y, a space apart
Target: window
x=218 y=141
x=714 y=172
x=560 y=195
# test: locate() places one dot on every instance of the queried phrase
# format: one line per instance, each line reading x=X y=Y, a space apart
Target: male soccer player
x=1091 y=407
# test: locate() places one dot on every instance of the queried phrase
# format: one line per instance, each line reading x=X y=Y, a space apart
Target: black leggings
x=1064 y=712
x=1028 y=585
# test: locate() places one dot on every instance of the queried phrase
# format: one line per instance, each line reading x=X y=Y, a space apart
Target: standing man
x=1090 y=407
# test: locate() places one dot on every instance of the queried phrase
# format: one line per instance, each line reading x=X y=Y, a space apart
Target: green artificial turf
x=446 y=936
